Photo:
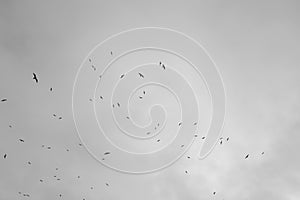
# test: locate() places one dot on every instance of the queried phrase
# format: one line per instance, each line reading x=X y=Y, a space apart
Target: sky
x=255 y=45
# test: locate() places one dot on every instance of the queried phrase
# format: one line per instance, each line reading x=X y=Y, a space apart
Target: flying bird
x=111 y=53
x=35 y=78
x=107 y=153
x=3 y=100
x=21 y=140
x=141 y=75
x=247 y=156
x=227 y=139
x=106 y=184
x=5 y=155
x=51 y=89
x=179 y=123
x=203 y=138
x=163 y=66
x=122 y=76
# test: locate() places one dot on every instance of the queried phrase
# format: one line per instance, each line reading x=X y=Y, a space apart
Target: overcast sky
x=255 y=45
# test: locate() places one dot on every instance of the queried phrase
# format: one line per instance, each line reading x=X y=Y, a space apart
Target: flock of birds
x=107 y=153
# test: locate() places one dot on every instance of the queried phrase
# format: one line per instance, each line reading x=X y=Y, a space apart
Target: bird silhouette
x=21 y=140
x=3 y=100
x=163 y=66
x=122 y=76
x=107 y=153
x=51 y=89
x=35 y=78
x=246 y=156
x=5 y=155
x=141 y=75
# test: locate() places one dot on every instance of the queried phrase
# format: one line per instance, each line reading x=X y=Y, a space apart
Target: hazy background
x=255 y=45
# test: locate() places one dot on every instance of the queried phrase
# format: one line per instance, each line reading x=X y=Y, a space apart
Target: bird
x=195 y=135
x=94 y=68
x=203 y=138
x=41 y=180
x=227 y=139
x=163 y=66
x=186 y=171
x=107 y=153
x=118 y=104
x=48 y=147
x=179 y=124
x=144 y=92
x=111 y=53
x=106 y=184
x=3 y=100
x=262 y=153
x=21 y=140
x=35 y=78
x=188 y=157
x=182 y=145
x=51 y=89
x=214 y=193
x=90 y=60
x=148 y=133
x=5 y=155
x=122 y=76
x=141 y=75
x=158 y=140
x=29 y=163
x=159 y=63
x=127 y=117
x=60 y=118
x=195 y=123
x=221 y=142
x=140 y=97
x=247 y=156
x=101 y=97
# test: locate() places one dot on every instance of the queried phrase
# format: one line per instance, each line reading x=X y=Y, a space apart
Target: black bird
x=118 y=104
x=247 y=156
x=35 y=78
x=10 y=126
x=227 y=139
x=60 y=118
x=144 y=92
x=127 y=117
x=214 y=193
x=51 y=89
x=186 y=171
x=262 y=153
x=21 y=140
x=101 y=97
x=107 y=153
x=159 y=63
x=29 y=163
x=54 y=115
x=195 y=123
x=158 y=140
x=188 y=157
x=141 y=75
x=3 y=100
x=179 y=123
x=182 y=145
x=203 y=138
x=195 y=135
x=90 y=60
x=163 y=66
x=148 y=133
x=5 y=155
x=111 y=53
x=140 y=97
x=106 y=184
x=122 y=76
x=221 y=142
x=94 y=68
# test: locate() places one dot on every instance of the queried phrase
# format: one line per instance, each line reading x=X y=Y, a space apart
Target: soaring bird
x=107 y=153
x=247 y=156
x=122 y=76
x=21 y=140
x=35 y=78
x=141 y=75
x=3 y=100
x=5 y=155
